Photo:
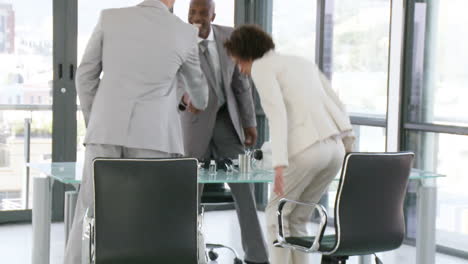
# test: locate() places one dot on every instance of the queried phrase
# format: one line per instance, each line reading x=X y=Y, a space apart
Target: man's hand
x=250 y=136
x=190 y=107
x=186 y=99
x=279 y=181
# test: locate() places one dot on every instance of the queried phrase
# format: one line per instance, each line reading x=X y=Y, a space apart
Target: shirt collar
x=209 y=38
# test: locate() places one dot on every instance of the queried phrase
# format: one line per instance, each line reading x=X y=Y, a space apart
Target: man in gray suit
x=227 y=124
x=132 y=110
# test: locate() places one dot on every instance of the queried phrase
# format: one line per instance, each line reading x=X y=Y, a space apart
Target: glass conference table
x=71 y=173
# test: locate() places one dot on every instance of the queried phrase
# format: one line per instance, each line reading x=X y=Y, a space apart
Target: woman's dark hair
x=249 y=42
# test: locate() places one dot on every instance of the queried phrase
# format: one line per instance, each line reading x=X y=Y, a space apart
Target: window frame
x=407 y=126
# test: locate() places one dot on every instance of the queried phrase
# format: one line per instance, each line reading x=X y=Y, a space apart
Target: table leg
x=426 y=228
x=41 y=220
x=366 y=259
x=71 y=198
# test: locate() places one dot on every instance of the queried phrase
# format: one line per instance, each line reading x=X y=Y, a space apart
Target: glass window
x=440 y=60
x=2 y=30
x=294 y=27
x=25 y=72
x=224 y=11
x=360 y=48
x=370 y=139
x=446 y=154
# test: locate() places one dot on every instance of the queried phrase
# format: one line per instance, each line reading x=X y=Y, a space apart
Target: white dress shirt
x=213 y=51
x=300 y=105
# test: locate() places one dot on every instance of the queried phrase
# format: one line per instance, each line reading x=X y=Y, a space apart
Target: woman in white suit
x=310 y=130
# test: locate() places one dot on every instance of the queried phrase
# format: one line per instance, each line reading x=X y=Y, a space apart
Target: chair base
x=212 y=255
x=334 y=260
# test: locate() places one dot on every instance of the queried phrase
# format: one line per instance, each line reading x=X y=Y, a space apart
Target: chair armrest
x=88 y=240
x=323 y=224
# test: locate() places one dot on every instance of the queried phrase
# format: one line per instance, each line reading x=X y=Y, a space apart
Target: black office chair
x=368 y=209
x=145 y=212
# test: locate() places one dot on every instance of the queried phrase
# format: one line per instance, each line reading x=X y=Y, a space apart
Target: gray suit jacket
x=140 y=52
x=198 y=129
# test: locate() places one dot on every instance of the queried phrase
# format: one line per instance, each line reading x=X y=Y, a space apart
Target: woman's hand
x=279 y=181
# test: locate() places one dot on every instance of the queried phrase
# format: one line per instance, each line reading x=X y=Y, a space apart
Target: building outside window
x=25 y=70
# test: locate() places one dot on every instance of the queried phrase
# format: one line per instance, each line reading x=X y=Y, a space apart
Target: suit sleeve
x=193 y=80
x=271 y=97
x=89 y=72
x=243 y=93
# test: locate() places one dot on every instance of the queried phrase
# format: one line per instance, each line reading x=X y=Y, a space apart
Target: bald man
x=228 y=124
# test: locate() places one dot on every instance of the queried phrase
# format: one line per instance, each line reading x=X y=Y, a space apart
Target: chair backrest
x=145 y=210
x=369 y=203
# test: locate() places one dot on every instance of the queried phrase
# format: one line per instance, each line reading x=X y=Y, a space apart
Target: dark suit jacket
x=198 y=129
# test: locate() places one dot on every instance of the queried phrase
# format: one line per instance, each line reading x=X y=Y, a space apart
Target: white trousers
x=307 y=177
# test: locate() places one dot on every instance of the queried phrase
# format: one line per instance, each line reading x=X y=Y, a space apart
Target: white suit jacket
x=300 y=105
x=140 y=52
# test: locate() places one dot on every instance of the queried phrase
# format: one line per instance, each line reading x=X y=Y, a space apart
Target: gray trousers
x=225 y=144
x=73 y=250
